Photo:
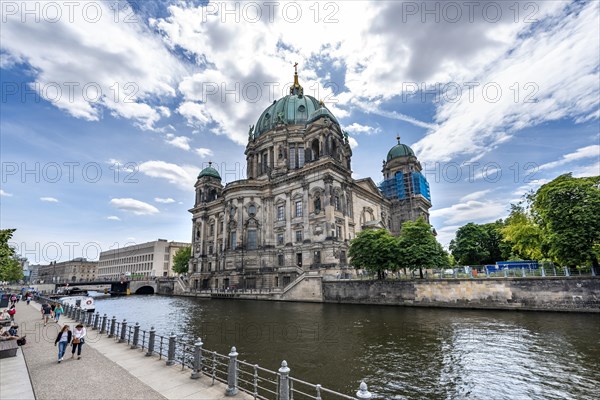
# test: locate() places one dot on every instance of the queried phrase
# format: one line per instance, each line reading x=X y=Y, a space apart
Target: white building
x=152 y=259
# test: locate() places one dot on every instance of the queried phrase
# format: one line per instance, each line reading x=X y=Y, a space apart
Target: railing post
x=89 y=316
x=543 y=271
x=123 y=336
x=284 y=381
x=103 y=326
x=68 y=311
x=151 y=335
x=96 y=321
x=136 y=336
x=171 y=351
x=567 y=272
x=593 y=271
x=113 y=322
x=523 y=272
x=487 y=271
x=363 y=392
x=232 y=374
x=78 y=315
x=318 y=387
x=505 y=273
x=197 y=359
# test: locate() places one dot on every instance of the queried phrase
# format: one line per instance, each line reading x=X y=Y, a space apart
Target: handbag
x=76 y=341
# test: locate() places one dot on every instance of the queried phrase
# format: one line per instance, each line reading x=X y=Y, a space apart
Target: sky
x=109 y=110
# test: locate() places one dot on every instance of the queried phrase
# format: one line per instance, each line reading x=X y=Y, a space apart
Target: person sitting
x=6 y=335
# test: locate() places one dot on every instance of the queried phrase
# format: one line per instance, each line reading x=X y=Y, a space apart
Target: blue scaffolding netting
x=402 y=186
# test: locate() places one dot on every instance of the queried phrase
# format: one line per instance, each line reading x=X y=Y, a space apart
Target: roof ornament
x=296 y=88
x=398 y=138
x=209 y=164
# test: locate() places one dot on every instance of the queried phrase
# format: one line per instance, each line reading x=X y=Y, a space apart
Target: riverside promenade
x=107 y=370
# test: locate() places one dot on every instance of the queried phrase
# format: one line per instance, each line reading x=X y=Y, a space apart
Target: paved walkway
x=107 y=370
x=14 y=379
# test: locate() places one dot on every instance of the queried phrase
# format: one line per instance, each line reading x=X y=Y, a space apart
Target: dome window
x=301 y=108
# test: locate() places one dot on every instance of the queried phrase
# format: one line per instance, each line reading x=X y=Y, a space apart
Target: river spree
x=402 y=353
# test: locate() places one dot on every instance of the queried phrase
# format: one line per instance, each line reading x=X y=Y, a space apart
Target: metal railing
x=237 y=375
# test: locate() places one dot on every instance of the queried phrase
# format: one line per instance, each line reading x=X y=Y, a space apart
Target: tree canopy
x=418 y=248
x=10 y=267
x=374 y=250
x=181 y=260
x=567 y=210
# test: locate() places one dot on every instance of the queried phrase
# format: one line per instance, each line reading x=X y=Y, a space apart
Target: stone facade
x=299 y=206
x=144 y=260
x=549 y=294
x=76 y=270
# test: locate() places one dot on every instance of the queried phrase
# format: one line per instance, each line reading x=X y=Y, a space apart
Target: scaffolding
x=403 y=186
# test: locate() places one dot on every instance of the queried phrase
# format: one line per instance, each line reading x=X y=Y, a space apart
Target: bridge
x=118 y=287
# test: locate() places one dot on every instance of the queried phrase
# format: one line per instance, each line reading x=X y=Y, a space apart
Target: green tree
x=181 y=261
x=418 y=248
x=467 y=247
x=10 y=267
x=374 y=250
x=523 y=235
x=568 y=211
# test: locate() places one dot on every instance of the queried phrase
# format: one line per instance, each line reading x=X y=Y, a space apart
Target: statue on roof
x=251 y=132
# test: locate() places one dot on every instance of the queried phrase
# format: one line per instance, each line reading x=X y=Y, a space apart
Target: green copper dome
x=293 y=109
x=209 y=171
x=400 y=150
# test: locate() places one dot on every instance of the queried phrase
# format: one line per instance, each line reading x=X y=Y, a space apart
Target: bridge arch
x=145 y=290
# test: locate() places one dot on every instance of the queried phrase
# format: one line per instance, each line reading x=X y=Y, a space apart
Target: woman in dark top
x=63 y=339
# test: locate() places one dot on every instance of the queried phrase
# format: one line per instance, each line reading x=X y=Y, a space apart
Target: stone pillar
x=197 y=371
x=171 y=351
x=113 y=323
x=151 y=337
x=96 y=321
x=363 y=392
x=103 y=326
x=232 y=374
x=136 y=336
x=122 y=337
x=284 y=381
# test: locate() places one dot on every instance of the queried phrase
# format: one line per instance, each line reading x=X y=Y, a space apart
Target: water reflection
x=403 y=353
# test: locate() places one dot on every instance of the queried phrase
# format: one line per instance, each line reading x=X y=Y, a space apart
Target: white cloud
x=472 y=211
x=581 y=153
x=123 y=66
x=357 y=128
x=134 y=206
x=352 y=142
x=5 y=194
x=183 y=177
x=589 y=170
x=164 y=201
x=113 y=218
x=182 y=142
x=556 y=74
x=475 y=195
x=203 y=152
x=49 y=199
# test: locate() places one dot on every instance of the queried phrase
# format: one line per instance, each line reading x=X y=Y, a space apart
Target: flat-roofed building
x=151 y=259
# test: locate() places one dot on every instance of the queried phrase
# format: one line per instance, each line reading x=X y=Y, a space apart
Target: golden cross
x=296 y=68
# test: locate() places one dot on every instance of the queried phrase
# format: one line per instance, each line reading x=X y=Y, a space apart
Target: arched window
x=315 y=149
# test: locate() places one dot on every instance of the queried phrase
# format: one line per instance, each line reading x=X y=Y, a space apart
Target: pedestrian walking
x=58 y=310
x=52 y=307
x=46 y=310
x=13 y=299
x=12 y=311
x=63 y=339
x=28 y=297
x=18 y=298
x=78 y=340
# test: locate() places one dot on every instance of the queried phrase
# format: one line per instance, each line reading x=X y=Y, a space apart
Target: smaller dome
x=400 y=150
x=321 y=112
x=209 y=171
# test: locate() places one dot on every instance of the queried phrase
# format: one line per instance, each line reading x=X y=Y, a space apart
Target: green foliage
x=523 y=234
x=480 y=244
x=567 y=210
x=10 y=268
x=181 y=260
x=374 y=250
x=468 y=248
x=418 y=248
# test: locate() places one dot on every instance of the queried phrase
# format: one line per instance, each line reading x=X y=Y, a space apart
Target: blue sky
x=108 y=113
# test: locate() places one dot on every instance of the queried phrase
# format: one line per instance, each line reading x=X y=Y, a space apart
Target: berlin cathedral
x=299 y=207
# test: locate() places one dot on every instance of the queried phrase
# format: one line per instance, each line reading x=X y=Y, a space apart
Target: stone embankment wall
x=544 y=294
